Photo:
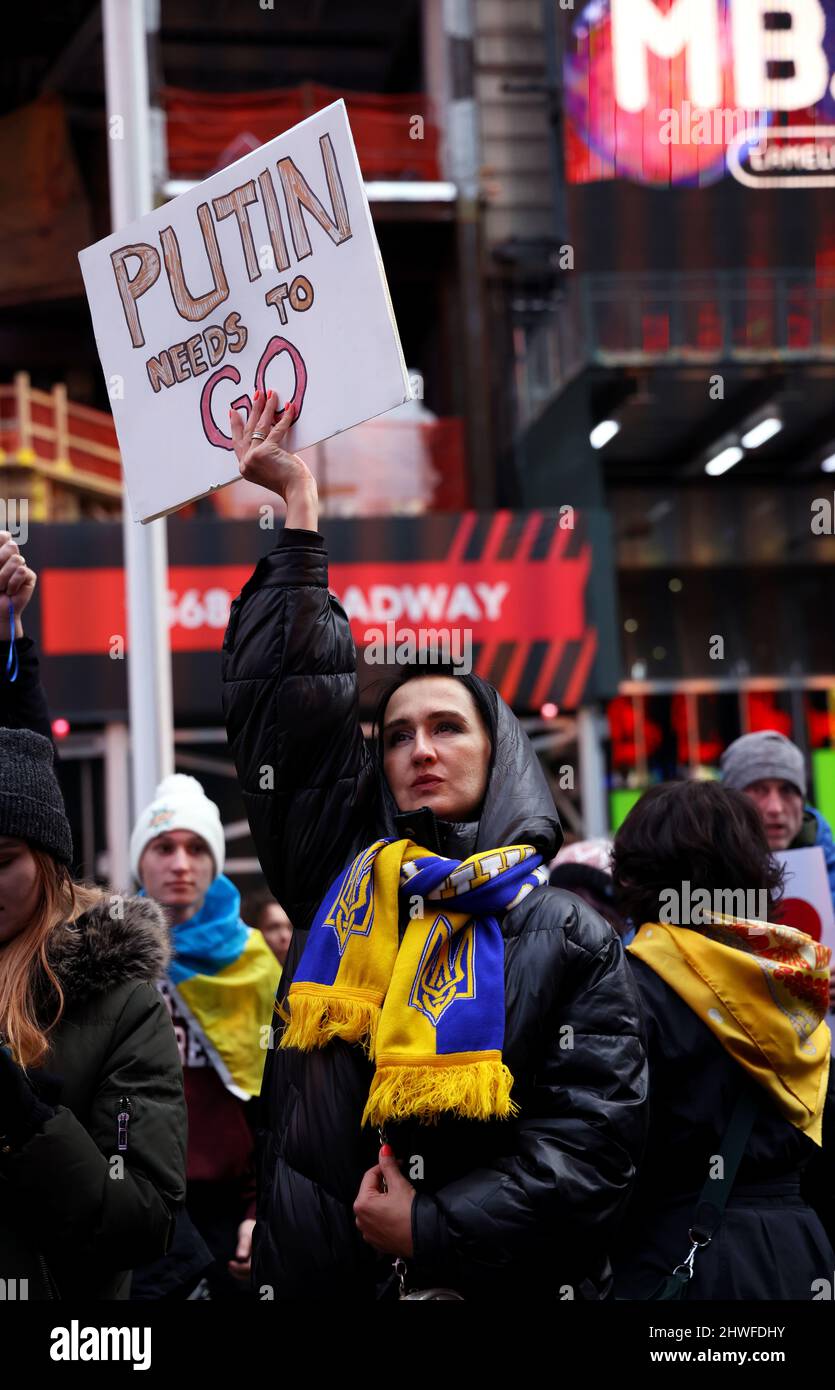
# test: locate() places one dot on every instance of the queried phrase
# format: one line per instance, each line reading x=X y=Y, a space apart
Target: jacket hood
x=98 y=952
x=518 y=807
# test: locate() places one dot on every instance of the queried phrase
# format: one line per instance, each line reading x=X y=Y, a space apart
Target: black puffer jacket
x=772 y=1242
x=505 y=1209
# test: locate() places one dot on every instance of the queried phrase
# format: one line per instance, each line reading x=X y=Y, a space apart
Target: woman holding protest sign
x=439 y=998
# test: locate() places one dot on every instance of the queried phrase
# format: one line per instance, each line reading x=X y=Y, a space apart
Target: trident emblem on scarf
x=353 y=909
x=446 y=971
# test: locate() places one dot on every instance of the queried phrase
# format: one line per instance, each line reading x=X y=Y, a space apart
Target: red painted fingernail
x=387 y=1151
x=269 y=393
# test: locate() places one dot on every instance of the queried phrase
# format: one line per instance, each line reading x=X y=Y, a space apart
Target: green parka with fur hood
x=93 y=1191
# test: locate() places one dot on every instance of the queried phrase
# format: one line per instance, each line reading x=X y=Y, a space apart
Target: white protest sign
x=265 y=276
x=807 y=901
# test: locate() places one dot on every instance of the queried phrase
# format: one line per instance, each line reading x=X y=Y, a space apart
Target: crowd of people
x=450 y=1064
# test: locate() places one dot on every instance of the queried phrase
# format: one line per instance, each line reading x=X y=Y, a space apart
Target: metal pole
x=592 y=774
x=145 y=547
x=116 y=774
x=88 y=818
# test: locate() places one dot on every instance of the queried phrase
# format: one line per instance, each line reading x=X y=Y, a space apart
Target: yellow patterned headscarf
x=763 y=991
x=429 y=1009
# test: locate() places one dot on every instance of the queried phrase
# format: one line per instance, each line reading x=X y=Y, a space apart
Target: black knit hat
x=31 y=804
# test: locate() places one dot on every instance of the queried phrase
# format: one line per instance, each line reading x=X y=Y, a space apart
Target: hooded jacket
x=504 y=1209
x=85 y=1198
x=772 y=1242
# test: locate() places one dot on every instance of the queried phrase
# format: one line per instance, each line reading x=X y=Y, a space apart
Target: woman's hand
x=22 y=1111
x=17 y=582
x=384 y=1207
x=240 y=1266
x=266 y=462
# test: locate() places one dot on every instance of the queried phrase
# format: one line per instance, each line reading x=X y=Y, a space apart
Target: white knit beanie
x=179 y=803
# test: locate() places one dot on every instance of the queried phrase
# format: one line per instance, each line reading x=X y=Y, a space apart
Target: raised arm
x=22 y=700
x=290 y=694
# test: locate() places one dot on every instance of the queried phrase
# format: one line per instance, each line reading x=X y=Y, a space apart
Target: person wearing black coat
x=22 y=699
x=514 y=1208
x=24 y=706
x=739 y=1004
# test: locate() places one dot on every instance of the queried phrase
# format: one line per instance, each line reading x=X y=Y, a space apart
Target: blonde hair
x=24 y=960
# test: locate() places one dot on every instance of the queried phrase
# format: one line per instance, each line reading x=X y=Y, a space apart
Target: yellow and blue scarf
x=763 y=991
x=429 y=1010
x=226 y=976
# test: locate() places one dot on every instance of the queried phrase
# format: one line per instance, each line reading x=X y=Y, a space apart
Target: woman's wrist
x=302 y=500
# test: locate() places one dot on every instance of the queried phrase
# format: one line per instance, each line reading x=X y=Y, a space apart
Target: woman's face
x=20 y=887
x=274 y=924
x=436 y=751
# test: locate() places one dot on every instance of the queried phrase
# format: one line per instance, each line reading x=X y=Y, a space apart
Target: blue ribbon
x=12 y=662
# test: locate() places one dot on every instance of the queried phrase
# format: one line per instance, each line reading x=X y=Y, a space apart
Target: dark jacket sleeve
x=23 y=701
x=80 y=1202
x=291 y=705
x=556 y=1197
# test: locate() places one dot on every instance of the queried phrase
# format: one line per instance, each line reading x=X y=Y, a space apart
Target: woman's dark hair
x=482 y=693
x=700 y=833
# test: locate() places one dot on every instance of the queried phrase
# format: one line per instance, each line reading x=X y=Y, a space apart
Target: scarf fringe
x=315 y=1019
x=475 y=1091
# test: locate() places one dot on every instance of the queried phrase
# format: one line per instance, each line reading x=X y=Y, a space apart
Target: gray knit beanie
x=765 y=754
x=31 y=804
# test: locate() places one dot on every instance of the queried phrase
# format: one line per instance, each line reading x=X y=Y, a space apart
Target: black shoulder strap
x=716 y=1191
